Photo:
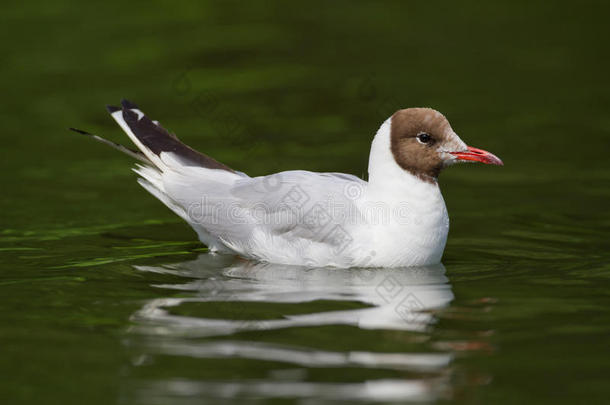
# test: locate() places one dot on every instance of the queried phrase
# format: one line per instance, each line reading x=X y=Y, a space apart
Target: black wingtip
x=80 y=131
x=128 y=104
x=129 y=115
x=112 y=109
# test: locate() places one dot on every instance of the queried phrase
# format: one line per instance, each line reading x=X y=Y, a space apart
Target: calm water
x=108 y=296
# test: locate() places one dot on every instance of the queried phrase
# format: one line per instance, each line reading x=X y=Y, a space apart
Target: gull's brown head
x=423 y=143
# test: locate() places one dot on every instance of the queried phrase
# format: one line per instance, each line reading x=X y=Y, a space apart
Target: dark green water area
x=108 y=298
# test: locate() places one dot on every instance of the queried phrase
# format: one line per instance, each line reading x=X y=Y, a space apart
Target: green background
x=266 y=86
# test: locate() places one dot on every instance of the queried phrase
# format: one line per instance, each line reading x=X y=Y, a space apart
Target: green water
x=108 y=297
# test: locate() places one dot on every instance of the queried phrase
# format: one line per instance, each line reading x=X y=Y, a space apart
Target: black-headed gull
x=396 y=218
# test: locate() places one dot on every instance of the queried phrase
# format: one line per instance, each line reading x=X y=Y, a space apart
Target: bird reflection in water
x=381 y=301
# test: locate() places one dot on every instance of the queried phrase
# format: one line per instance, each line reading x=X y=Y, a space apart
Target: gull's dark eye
x=424 y=137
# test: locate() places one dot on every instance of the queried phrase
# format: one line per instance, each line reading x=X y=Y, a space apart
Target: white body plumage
x=300 y=217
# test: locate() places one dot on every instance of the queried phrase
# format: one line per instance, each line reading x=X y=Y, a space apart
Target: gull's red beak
x=478 y=155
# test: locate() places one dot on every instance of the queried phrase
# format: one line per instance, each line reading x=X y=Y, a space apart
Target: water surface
x=106 y=295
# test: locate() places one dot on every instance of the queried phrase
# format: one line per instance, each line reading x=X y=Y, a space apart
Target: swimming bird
x=396 y=218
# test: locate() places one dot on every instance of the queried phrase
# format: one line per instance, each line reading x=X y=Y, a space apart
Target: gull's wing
x=294 y=213
x=294 y=209
x=153 y=140
x=164 y=156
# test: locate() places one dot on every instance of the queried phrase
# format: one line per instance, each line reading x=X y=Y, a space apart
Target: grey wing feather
x=128 y=151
